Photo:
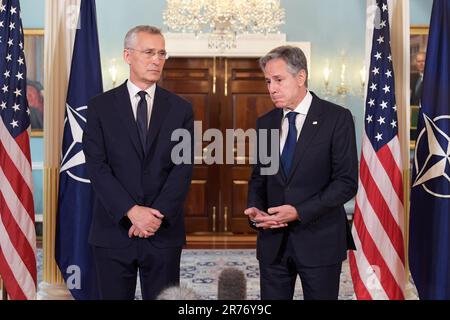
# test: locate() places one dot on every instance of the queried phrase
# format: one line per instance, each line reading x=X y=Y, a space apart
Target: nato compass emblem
x=72 y=156
x=433 y=167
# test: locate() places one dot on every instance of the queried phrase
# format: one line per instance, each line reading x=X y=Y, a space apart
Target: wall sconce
x=342 y=89
x=113 y=72
x=362 y=74
x=350 y=80
x=326 y=77
x=326 y=80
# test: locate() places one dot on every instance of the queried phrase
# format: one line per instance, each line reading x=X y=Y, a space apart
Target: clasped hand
x=275 y=217
x=145 y=221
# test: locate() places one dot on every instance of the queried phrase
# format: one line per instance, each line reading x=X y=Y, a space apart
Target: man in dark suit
x=138 y=221
x=299 y=211
x=416 y=81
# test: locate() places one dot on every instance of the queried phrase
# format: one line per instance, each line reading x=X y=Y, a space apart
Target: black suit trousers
x=278 y=279
x=117 y=270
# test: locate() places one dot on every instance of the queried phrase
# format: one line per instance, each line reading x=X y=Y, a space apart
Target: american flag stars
x=380 y=97
x=17 y=232
x=14 y=107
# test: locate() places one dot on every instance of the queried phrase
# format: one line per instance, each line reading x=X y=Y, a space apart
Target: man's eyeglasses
x=150 y=53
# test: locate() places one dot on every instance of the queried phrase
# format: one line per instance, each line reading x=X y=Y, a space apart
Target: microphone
x=181 y=292
x=232 y=285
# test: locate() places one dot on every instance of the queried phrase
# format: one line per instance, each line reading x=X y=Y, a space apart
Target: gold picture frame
x=34 y=59
x=418 y=44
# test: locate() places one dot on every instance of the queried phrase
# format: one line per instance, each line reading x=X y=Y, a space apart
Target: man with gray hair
x=299 y=212
x=138 y=220
x=416 y=81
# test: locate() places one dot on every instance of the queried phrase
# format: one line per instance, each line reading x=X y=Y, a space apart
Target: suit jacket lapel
x=125 y=112
x=275 y=123
x=310 y=127
x=161 y=107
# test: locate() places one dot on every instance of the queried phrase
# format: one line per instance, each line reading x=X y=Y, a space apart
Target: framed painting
x=34 y=58
x=418 y=48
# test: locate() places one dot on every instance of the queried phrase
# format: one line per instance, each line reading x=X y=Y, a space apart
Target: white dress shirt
x=302 y=109
x=133 y=90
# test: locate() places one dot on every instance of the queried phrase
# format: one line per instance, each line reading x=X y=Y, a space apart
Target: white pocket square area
x=315 y=122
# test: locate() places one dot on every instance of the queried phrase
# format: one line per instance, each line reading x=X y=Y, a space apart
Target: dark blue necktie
x=289 y=147
x=418 y=88
x=141 y=118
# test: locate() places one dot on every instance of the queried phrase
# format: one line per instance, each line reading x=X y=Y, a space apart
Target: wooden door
x=193 y=79
x=226 y=94
x=245 y=99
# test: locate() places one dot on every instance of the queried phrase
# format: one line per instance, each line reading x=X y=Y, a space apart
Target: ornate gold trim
x=226 y=78
x=37 y=133
x=419 y=30
x=225 y=219
x=214 y=219
x=51 y=272
x=214 y=76
x=33 y=32
x=198 y=181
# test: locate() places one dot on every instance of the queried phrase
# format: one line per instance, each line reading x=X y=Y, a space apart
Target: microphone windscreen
x=181 y=292
x=232 y=285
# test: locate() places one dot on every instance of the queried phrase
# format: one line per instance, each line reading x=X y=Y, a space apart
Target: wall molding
x=37 y=165
x=189 y=45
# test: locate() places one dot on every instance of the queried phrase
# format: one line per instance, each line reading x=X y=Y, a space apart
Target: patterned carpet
x=200 y=270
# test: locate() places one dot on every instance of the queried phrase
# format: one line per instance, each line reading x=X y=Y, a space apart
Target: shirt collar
x=134 y=89
x=303 y=106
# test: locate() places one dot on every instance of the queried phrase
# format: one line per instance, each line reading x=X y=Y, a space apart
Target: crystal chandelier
x=224 y=19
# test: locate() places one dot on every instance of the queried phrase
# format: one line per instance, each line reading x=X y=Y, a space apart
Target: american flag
x=429 y=236
x=17 y=233
x=378 y=265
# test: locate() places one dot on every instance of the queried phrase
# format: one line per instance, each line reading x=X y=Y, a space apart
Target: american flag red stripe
x=358 y=282
x=17 y=181
x=19 y=226
x=379 y=230
x=390 y=165
x=380 y=207
x=378 y=265
x=17 y=230
x=18 y=240
x=14 y=289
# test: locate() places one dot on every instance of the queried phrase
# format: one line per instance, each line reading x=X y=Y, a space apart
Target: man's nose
x=272 y=88
x=155 y=60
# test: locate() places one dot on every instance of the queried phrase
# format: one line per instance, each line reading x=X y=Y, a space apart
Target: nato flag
x=73 y=253
x=429 y=244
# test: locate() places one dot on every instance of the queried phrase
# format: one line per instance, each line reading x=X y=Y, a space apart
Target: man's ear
x=301 y=78
x=126 y=56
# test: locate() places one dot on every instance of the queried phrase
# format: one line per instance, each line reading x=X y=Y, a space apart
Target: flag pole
x=400 y=52
x=4 y=293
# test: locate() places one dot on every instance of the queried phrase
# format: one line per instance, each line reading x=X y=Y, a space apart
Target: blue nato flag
x=429 y=245
x=75 y=198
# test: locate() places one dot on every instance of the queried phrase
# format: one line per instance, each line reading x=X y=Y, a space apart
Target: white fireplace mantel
x=189 y=45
